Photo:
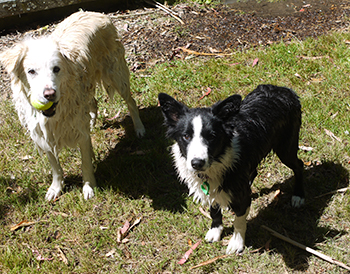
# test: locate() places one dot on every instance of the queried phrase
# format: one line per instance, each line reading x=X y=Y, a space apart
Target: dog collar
x=205 y=185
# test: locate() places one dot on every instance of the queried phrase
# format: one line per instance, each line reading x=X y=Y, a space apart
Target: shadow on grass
x=301 y=225
x=15 y=195
x=143 y=166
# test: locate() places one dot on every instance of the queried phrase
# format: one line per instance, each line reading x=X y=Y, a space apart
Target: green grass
x=136 y=177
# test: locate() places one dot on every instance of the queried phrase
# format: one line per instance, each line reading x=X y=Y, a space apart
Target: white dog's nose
x=50 y=94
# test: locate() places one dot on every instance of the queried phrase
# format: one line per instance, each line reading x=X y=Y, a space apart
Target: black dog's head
x=201 y=133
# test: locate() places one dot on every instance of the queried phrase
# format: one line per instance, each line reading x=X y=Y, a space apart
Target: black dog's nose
x=197 y=163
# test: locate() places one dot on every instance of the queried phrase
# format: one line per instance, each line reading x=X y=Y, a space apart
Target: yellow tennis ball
x=40 y=106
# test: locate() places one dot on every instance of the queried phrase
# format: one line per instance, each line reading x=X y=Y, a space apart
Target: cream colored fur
x=87 y=50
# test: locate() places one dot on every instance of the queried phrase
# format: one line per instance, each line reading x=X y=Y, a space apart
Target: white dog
x=64 y=68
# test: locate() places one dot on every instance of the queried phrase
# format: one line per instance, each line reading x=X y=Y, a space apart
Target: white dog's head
x=38 y=65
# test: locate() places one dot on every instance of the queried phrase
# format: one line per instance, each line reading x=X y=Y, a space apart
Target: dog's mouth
x=51 y=111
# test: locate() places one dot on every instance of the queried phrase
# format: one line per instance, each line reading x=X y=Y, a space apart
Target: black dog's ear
x=172 y=109
x=228 y=107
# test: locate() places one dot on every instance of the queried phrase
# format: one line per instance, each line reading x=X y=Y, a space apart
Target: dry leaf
x=305 y=148
x=62 y=255
x=188 y=253
x=39 y=257
x=206 y=214
x=21 y=224
x=111 y=253
x=206 y=94
x=331 y=134
x=114 y=117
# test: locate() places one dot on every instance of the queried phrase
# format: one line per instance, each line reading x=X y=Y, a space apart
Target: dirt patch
x=151 y=36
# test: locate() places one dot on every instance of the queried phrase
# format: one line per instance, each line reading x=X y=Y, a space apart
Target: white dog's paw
x=88 y=192
x=236 y=244
x=297 y=201
x=52 y=193
x=214 y=234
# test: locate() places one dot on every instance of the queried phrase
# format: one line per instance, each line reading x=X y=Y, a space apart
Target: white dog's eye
x=56 y=69
x=31 y=72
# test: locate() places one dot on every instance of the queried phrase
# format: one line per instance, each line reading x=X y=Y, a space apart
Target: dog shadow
x=141 y=167
x=300 y=224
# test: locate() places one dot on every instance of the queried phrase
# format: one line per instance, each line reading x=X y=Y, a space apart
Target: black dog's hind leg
x=214 y=233
x=287 y=152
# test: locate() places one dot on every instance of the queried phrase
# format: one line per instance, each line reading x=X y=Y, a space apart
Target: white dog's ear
x=12 y=58
x=228 y=107
x=172 y=109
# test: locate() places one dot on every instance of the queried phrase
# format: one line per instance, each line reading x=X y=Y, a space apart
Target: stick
x=204 y=53
x=341 y=190
x=308 y=249
x=165 y=9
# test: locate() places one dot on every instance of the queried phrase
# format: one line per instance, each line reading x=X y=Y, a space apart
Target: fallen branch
x=340 y=190
x=204 y=53
x=308 y=249
x=209 y=261
x=165 y=9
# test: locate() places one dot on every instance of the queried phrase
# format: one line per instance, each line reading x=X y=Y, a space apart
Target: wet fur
x=83 y=51
x=234 y=137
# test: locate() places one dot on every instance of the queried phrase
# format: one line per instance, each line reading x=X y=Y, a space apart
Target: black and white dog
x=218 y=149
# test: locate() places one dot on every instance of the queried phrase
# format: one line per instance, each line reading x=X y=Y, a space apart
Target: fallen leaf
x=188 y=253
x=27 y=157
x=331 y=134
x=21 y=224
x=305 y=148
x=111 y=253
x=62 y=255
x=255 y=62
x=206 y=94
x=114 y=117
x=206 y=214
x=234 y=64
x=39 y=257
x=125 y=228
x=209 y=261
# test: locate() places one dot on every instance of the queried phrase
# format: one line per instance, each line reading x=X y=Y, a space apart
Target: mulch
x=152 y=36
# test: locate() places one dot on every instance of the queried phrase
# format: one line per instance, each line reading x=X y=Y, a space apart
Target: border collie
x=217 y=150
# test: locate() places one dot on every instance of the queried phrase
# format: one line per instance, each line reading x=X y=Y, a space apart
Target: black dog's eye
x=186 y=137
x=31 y=72
x=56 y=69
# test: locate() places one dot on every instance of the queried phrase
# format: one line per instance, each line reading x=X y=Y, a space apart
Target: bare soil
x=152 y=36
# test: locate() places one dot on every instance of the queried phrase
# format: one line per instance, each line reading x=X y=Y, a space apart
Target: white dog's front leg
x=236 y=243
x=87 y=168
x=57 y=177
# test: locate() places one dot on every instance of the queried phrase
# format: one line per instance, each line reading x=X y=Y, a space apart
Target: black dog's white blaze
x=223 y=145
x=212 y=170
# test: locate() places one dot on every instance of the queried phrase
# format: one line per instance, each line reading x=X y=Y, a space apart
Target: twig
x=209 y=261
x=308 y=249
x=204 y=53
x=165 y=9
x=340 y=190
x=130 y=15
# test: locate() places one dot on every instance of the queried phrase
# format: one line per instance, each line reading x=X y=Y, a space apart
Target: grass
x=136 y=178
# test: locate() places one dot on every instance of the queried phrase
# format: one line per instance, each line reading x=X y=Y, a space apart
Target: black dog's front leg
x=214 y=233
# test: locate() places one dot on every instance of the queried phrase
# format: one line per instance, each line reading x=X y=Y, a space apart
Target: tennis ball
x=40 y=106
